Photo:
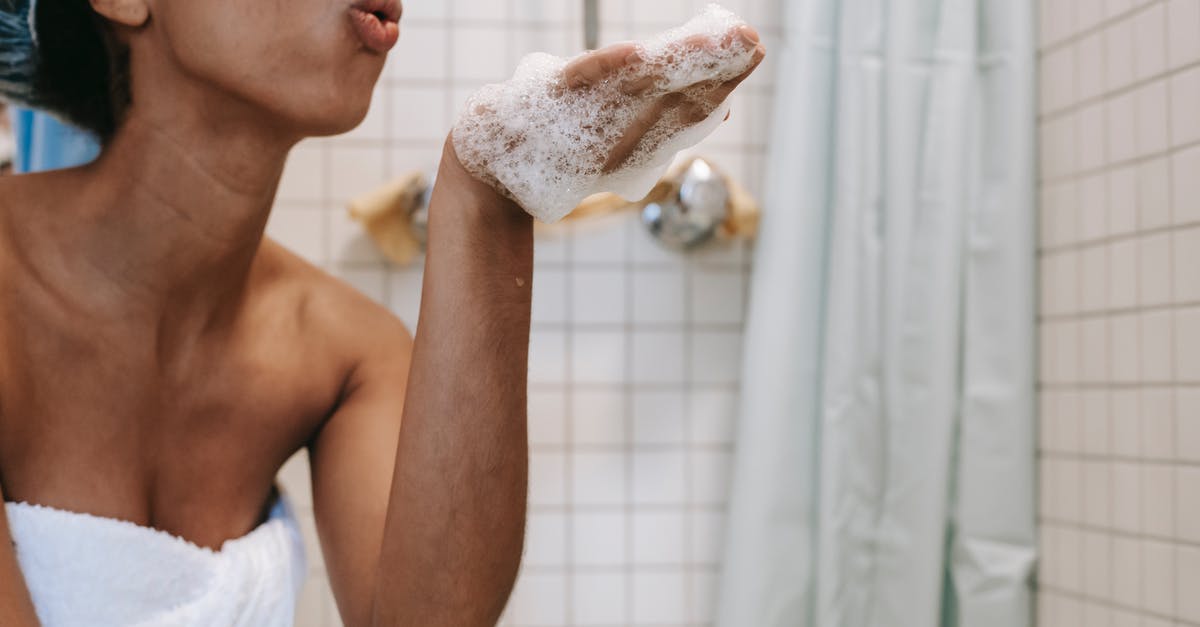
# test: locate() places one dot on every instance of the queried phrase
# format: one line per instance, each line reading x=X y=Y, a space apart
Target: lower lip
x=377 y=35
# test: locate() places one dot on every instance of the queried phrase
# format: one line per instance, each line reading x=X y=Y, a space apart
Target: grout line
x=1140 y=234
x=1141 y=612
x=1047 y=48
x=1110 y=94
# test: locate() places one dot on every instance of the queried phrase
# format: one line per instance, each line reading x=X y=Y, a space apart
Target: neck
x=173 y=213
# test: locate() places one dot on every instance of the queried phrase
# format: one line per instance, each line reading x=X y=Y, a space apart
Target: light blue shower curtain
x=885 y=466
x=44 y=143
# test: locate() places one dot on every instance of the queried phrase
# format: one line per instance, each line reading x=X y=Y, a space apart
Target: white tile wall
x=1120 y=313
x=635 y=350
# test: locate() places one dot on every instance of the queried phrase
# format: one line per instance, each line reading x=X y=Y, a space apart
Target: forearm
x=455 y=523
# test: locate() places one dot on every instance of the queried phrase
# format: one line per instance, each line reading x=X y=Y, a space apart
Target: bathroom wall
x=635 y=353
x=1120 y=313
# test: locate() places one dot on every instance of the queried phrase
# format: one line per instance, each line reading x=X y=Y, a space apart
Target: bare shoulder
x=352 y=328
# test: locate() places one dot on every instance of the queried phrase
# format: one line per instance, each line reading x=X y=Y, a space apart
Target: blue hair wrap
x=18 y=50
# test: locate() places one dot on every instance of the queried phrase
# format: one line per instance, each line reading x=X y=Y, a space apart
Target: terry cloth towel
x=85 y=570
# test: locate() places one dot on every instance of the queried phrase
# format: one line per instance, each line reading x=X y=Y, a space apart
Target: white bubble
x=545 y=146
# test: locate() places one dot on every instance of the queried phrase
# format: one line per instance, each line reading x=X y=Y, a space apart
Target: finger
x=596 y=66
x=745 y=35
x=636 y=131
x=639 y=86
x=722 y=91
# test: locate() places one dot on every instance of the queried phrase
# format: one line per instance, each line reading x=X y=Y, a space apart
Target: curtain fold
x=884 y=474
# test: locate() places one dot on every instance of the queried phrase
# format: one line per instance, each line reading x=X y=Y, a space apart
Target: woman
x=160 y=360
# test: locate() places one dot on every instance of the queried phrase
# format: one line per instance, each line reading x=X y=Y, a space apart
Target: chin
x=340 y=117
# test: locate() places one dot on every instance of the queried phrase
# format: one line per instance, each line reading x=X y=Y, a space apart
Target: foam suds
x=545 y=146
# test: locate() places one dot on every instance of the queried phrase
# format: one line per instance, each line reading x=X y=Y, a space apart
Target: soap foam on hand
x=545 y=146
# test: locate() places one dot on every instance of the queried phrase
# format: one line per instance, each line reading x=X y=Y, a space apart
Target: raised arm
x=445 y=550
x=455 y=524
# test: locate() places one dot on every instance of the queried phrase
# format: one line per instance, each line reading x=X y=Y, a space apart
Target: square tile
x=1089 y=66
x=304 y=175
x=421 y=53
x=419 y=113
x=1187 y=582
x=1185 y=96
x=598 y=356
x=717 y=297
x=705 y=589
x=547 y=356
x=1122 y=200
x=658 y=357
x=658 y=296
x=1122 y=128
x=1186 y=190
x=1187 y=421
x=598 y=538
x=549 y=296
x=1094 y=332
x=658 y=417
x=481 y=53
x=1158 y=424
x=713 y=416
x=658 y=598
x=547 y=417
x=1153 y=134
x=1118 y=43
x=1057 y=141
x=1183 y=22
x=659 y=477
x=598 y=416
x=599 y=296
x=355 y=170
x=1185 y=244
x=1154 y=261
x=546 y=478
x=1096 y=422
x=716 y=356
x=1187 y=503
x=479 y=10
x=598 y=478
x=539 y=600
x=300 y=230
x=1092 y=137
x=1126 y=571
x=1156 y=346
x=1158 y=589
x=1127 y=496
x=1124 y=408
x=1097 y=495
x=1094 y=274
x=1097 y=565
x=1123 y=273
x=1125 y=345
x=1154 y=193
x=710 y=474
x=404 y=294
x=603 y=240
x=1150 y=41
x=545 y=539
x=1187 y=338
x=1057 y=79
x=1158 y=501
x=598 y=598
x=658 y=537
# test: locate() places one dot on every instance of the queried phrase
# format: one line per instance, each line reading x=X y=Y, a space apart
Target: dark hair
x=82 y=72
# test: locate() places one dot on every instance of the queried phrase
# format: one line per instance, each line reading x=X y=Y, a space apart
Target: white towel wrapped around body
x=85 y=570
